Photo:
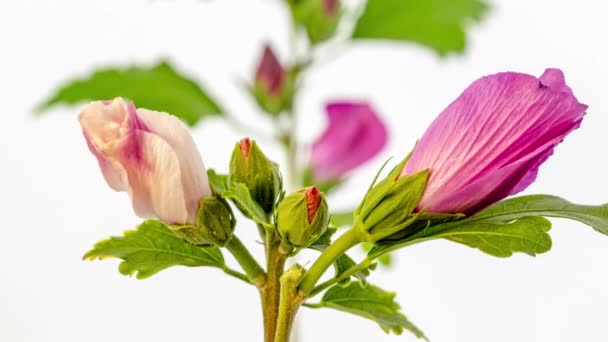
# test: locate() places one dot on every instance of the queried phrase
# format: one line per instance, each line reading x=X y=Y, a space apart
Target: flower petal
x=497 y=122
x=355 y=134
x=155 y=178
x=193 y=173
x=150 y=155
x=101 y=124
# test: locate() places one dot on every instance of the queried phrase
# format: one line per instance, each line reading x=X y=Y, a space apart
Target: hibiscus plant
x=455 y=184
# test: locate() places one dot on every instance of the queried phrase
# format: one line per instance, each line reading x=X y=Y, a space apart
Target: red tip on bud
x=313 y=200
x=245 y=145
x=331 y=7
x=270 y=72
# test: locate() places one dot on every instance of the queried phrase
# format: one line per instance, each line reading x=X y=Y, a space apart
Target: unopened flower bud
x=389 y=206
x=215 y=224
x=302 y=217
x=273 y=85
x=150 y=155
x=250 y=166
x=320 y=18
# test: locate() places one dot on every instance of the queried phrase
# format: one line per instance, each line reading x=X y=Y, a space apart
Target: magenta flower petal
x=490 y=142
x=355 y=134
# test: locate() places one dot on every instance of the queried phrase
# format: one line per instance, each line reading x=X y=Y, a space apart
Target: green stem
x=345 y=275
x=255 y=273
x=290 y=302
x=235 y=274
x=291 y=152
x=327 y=258
x=270 y=292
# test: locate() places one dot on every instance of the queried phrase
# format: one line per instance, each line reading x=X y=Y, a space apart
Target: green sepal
x=219 y=183
x=311 y=15
x=239 y=194
x=292 y=220
x=214 y=226
x=275 y=104
x=388 y=206
x=260 y=175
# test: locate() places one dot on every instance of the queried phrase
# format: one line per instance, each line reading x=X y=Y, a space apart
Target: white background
x=54 y=203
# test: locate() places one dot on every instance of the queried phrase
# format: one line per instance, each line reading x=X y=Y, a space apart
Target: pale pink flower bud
x=150 y=155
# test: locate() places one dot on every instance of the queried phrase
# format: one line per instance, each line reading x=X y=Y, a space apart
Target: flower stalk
x=350 y=238
x=255 y=273
x=270 y=292
x=289 y=304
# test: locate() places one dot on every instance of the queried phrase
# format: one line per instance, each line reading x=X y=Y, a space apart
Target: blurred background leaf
x=437 y=24
x=159 y=88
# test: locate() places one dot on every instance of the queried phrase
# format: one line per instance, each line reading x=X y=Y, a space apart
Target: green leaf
x=158 y=88
x=370 y=302
x=151 y=248
x=595 y=216
x=510 y=216
x=495 y=237
x=437 y=24
x=527 y=235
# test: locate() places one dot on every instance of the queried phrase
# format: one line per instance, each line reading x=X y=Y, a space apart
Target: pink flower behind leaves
x=355 y=134
x=150 y=155
x=490 y=142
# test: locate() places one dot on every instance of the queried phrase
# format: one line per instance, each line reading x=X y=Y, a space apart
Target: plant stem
x=235 y=274
x=290 y=302
x=345 y=275
x=270 y=292
x=327 y=258
x=290 y=144
x=255 y=273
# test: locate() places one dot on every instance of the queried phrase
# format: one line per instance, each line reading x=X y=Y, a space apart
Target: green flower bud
x=302 y=217
x=261 y=176
x=214 y=226
x=388 y=207
x=320 y=18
